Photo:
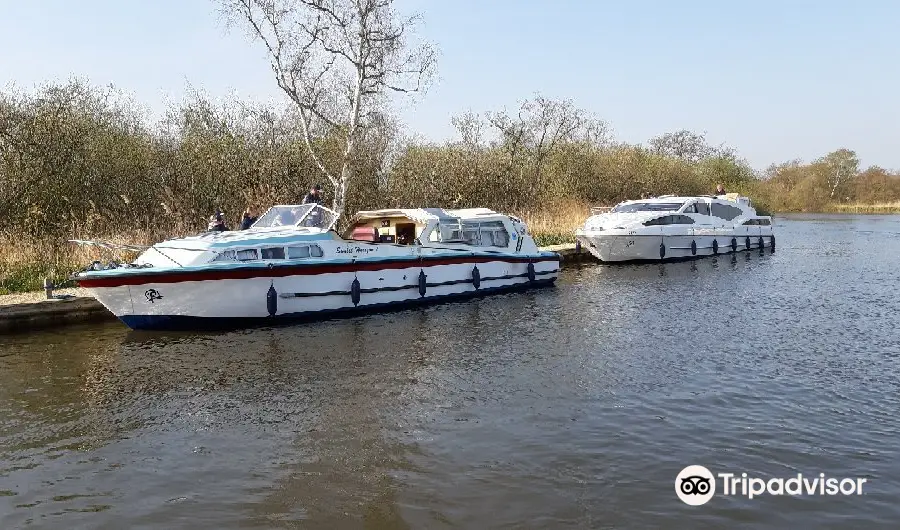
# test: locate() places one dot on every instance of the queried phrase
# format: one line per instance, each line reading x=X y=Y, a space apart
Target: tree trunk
x=340 y=193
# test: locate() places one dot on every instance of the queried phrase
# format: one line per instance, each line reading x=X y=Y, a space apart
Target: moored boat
x=291 y=264
x=672 y=228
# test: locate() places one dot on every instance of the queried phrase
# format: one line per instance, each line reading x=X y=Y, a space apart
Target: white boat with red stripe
x=292 y=265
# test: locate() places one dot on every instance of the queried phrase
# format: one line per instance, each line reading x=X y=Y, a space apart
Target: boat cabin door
x=406 y=233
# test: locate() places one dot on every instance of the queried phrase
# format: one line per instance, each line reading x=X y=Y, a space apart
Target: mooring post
x=48 y=288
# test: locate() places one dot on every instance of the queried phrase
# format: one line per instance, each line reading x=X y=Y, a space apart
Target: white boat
x=291 y=264
x=672 y=228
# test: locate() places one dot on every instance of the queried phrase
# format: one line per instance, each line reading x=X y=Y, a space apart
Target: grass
x=25 y=277
x=24 y=264
x=883 y=208
x=556 y=225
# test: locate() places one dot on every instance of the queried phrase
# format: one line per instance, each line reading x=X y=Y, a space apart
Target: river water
x=570 y=407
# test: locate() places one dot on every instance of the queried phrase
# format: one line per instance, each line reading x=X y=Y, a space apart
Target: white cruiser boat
x=671 y=228
x=292 y=264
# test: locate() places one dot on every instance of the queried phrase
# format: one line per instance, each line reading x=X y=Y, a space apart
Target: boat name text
x=355 y=250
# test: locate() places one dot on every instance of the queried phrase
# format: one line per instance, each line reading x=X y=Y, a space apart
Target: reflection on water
x=571 y=407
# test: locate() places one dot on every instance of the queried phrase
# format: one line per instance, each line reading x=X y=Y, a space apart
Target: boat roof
x=425 y=215
x=684 y=198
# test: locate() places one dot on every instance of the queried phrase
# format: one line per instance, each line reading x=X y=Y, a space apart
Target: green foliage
x=546 y=239
x=24 y=277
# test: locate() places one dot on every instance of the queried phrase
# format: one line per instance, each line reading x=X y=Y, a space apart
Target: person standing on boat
x=249 y=218
x=217 y=222
x=720 y=190
x=314 y=196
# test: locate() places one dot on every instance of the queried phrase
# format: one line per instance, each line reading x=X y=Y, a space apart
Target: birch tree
x=338 y=61
x=840 y=167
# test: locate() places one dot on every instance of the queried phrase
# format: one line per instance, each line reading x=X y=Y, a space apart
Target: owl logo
x=695 y=485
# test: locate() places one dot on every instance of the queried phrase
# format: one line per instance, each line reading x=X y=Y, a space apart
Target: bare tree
x=542 y=124
x=337 y=61
x=688 y=146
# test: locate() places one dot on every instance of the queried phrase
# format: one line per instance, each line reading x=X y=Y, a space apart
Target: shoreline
x=32 y=311
x=852 y=210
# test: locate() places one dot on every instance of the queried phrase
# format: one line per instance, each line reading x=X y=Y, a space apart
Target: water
x=573 y=407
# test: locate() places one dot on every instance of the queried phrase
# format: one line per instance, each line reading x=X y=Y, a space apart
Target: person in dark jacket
x=314 y=195
x=217 y=222
x=720 y=190
x=249 y=218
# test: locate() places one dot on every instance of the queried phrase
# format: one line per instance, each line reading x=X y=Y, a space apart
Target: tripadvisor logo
x=696 y=485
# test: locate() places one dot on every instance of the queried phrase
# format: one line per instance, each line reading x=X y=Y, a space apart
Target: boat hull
x=232 y=298
x=611 y=247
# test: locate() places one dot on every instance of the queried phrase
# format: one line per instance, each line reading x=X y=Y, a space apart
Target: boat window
x=763 y=222
x=648 y=207
x=702 y=208
x=670 y=220
x=474 y=233
x=447 y=231
x=298 y=252
x=282 y=216
x=319 y=218
x=248 y=254
x=692 y=208
x=273 y=253
x=725 y=211
x=309 y=215
x=486 y=234
x=304 y=251
x=227 y=255
x=500 y=238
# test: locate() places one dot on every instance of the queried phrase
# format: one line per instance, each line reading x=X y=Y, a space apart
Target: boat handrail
x=108 y=245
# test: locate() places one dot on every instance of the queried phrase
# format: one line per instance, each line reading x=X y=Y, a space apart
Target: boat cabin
x=477 y=227
x=385 y=226
x=727 y=207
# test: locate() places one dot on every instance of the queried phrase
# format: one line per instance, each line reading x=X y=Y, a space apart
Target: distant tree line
x=77 y=160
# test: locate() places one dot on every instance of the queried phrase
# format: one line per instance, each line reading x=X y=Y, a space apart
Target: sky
x=778 y=81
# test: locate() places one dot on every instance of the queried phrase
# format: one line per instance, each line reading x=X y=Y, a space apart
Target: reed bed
x=886 y=208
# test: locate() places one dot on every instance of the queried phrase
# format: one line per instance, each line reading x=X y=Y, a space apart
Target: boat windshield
x=308 y=215
x=647 y=207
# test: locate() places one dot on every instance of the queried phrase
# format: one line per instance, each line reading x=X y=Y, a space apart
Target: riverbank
x=32 y=311
x=25 y=265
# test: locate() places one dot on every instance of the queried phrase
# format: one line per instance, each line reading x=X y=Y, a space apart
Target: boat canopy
x=299 y=215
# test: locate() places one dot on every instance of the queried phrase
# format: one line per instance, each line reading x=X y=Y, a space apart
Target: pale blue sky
x=776 y=80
